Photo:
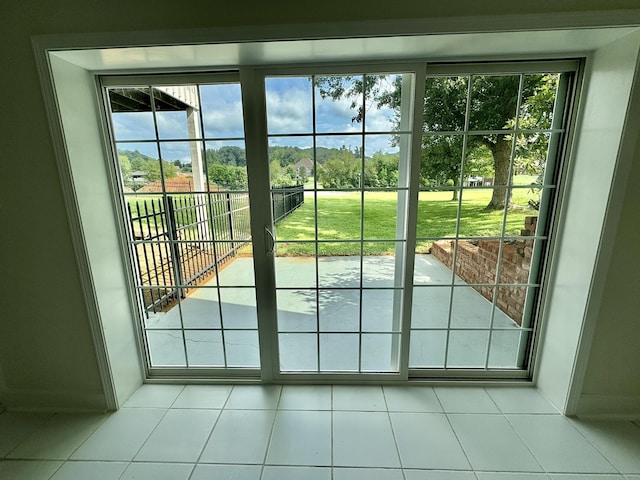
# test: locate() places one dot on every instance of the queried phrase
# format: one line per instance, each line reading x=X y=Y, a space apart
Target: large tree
x=492 y=105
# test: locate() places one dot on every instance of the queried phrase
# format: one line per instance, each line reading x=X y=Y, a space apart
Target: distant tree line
x=226 y=167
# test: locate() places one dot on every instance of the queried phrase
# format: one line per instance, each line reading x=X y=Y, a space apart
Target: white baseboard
x=54 y=401
x=621 y=407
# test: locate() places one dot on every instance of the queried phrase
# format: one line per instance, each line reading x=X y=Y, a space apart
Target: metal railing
x=180 y=239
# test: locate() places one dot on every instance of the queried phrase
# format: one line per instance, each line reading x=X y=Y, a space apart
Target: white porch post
x=199 y=174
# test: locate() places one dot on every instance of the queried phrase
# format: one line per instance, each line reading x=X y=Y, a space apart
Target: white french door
x=339 y=261
x=361 y=222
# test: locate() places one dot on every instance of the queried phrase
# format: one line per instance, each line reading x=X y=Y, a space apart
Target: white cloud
x=133 y=126
x=222 y=110
x=172 y=124
x=288 y=111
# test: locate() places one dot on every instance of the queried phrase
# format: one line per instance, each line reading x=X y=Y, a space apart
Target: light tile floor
x=251 y=432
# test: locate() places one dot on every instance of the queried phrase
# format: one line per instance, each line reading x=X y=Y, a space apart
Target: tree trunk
x=501 y=151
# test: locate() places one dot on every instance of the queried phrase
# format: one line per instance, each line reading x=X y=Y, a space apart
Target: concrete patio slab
x=451 y=321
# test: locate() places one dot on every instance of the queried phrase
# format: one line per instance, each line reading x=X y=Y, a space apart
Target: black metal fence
x=179 y=239
x=285 y=200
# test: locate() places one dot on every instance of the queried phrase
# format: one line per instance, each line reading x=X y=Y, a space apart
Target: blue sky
x=289 y=111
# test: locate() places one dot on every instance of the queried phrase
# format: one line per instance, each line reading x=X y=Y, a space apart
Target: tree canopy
x=491 y=105
x=134 y=161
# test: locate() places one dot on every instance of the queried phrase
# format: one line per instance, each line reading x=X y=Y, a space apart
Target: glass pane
x=522 y=220
x=200 y=309
x=188 y=224
x=204 y=348
x=226 y=166
x=222 y=110
x=339 y=352
x=379 y=266
x=297 y=270
x=297 y=310
x=477 y=261
x=494 y=99
x=445 y=103
x=383 y=102
x=166 y=348
x=339 y=310
x=133 y=126
x=378 y=310
x=339 y=215
x=291 y=161
x=427 y=348
x=437 y=216
x=531 y=158
x=477 y=219
x=516 y=261
x=298 y=352
x=505 y=348
x=479 y=162
x=239 y=308
x=430 y=307
x=381 y=159
x=173 y=125
x=175 y=155
x=155 y=301
x=434 y=268
x=536 y=111
x=241 y=347
x=131 y=113
x=339 y=265
x=467 y=349
x=510 y=306
x=379 y=352
x=338 y=103
x=239 y=271
x=161 y=308
x=289 y=105
x=470 y=308
x=339 y=159
x=139 y=166
x=238 y=206
x=380 y=216
x=298 y=219
x=441 y=164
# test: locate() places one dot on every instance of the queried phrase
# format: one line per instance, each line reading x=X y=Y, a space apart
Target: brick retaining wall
x=476 y=263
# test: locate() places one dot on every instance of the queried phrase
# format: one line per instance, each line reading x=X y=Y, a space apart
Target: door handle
x=270 y=241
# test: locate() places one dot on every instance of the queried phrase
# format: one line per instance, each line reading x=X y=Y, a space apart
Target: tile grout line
x=492 y=400
x=46 y=421
x=393 y=432
x=455 y=434
x=204 y=445
x=153 y=429
x=526 y=445
x=332 y=420
x=595 y=447
x=273 y=427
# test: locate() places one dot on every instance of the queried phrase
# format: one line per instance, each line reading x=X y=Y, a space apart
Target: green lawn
x=339 y=218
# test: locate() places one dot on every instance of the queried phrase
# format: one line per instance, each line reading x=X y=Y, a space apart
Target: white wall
x=47 y=348
x=612 y=382
x=598 y=138
x=113 y=333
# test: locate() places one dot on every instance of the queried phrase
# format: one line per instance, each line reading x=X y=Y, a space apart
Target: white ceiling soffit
x=432 y=47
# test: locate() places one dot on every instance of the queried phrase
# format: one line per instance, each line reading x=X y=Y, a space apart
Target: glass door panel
x=182 y=166
x=488 y=140
x=340 y=241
